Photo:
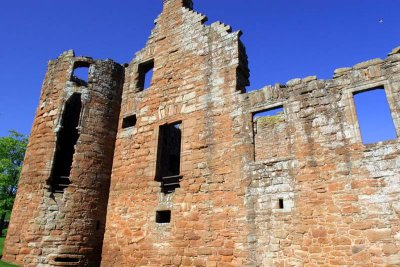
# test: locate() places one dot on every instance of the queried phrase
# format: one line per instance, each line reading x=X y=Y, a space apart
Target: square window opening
x=129 y=121
x=269 y=116
x=374 y=116
x=266 y=123
x=145 y=72
x=80 y=73
x=163 y=216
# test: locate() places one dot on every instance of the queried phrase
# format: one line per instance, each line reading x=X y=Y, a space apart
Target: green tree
x=12 y=151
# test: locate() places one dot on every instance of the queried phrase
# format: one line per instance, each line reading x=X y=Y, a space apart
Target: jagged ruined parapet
x=311 y=171
x=169 y=162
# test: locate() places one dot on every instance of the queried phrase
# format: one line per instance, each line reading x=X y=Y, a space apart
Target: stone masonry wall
x=296 y=189
x=66 y=229
x=194 y=81
x=341 y=197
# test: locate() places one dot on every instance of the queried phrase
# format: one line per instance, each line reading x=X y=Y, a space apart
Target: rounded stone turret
x=60 y=208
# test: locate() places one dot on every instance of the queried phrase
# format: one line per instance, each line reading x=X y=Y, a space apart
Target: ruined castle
x=190 y=170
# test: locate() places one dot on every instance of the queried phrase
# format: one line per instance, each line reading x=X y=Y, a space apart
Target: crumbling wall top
x=178 y=3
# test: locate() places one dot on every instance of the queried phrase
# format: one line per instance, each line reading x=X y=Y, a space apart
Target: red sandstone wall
x=194 y=82
x=341 y=197
x=46 y=225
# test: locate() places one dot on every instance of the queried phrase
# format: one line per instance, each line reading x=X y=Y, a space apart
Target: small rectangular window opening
x=163 y=216
x=145 y=72
x=129 y=121
x=281 y=204
x=80 y=73
x=374 y=117
x=169 y=157
x=66 y=259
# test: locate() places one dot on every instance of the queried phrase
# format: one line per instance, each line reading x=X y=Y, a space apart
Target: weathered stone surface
x=47 y=225
x=297 y=189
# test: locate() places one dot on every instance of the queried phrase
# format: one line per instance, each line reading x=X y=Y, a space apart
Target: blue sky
x=285 y=39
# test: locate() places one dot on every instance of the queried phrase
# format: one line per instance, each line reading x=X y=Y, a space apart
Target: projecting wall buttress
x=64 y=186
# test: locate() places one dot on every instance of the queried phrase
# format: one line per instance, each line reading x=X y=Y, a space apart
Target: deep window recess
x=163 y=216
x=66 y=141
x=374 y=118
x=80 y=73
x=129 y=121
x=281 y=204
x=188 y=4
x=168 y=157
x=145 y=70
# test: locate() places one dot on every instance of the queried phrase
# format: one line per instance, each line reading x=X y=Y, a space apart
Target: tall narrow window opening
x=168 y=156
x=66 y=141
x=281 y=204
x=145 y=74
x=374 y=117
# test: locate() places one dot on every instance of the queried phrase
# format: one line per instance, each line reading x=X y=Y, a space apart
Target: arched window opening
x=80 y=74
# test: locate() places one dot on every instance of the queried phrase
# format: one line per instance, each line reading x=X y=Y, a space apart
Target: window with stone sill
x=374 y=116
x=169 y=156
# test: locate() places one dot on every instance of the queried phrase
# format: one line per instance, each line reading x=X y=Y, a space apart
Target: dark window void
x=80 y=73
x=374 y=118
x=145 y=74
x=281 y=204
x=163 y=216
x=168 y=156
x=66 y=141
x=188 y=4
x=66 y=259
x=129 y=121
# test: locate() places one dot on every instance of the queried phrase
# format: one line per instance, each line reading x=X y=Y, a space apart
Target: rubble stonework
x=296 y=189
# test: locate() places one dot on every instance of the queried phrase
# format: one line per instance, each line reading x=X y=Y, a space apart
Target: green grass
x=2 y=263
x=2 y=239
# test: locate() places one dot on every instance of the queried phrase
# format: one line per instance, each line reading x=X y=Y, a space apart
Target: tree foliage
x=12 y=151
